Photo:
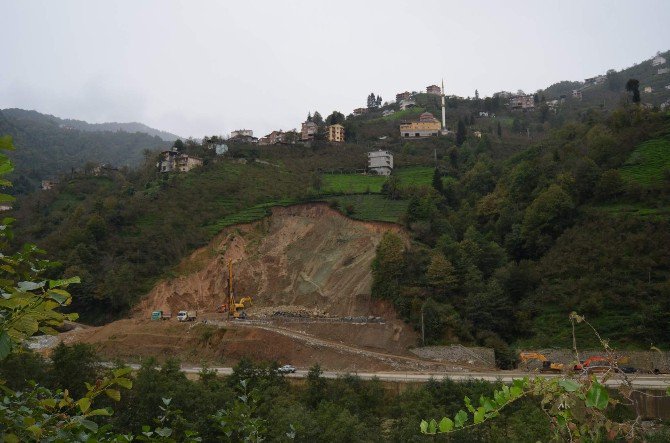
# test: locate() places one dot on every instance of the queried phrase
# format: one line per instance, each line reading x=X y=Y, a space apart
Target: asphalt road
x=638 y=381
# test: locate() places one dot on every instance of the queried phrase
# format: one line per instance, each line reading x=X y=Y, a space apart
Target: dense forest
x=50 y=147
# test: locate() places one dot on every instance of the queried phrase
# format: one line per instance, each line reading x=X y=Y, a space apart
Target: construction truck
x=187 y=315
x=547 y=365
x=160 y=315
x=235 y=309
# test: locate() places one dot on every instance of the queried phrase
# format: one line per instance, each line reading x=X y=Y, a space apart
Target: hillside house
x=273 y=138
x=220 y=149
x=49 y=184
x=484 y=114
x=648 y=89
x=406 y=104
x=335 y=133
x=597 y=80
x=403 y=96
x=388 y=112
x=667 y=86
x=360 y=111
x=103 y=169
x=477 y=134
x=663 y=70
x=658 y=60
x=242 y=133
x=175 y=161
x=427 y=126
x=524 y=102
x=308 y=131
x=380 y=162
x=576 y=94
x=433 y=90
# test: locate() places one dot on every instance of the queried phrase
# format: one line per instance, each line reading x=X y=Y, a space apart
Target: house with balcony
x=335 y=133
x=175 y=161
x=380 y=162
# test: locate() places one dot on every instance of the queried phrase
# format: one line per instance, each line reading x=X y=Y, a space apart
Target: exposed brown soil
x=225 y=344
x=307 y=256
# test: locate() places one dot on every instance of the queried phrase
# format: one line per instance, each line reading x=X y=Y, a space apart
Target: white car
x=286 y=369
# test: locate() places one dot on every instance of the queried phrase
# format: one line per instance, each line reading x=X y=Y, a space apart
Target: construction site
x=294 y=288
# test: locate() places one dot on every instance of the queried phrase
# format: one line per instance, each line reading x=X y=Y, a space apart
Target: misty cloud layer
x=205 y=67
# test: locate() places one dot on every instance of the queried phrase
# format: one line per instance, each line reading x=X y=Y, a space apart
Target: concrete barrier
x=642 y=360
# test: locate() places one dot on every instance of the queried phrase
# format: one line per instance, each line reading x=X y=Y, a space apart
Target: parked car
x=286 y=369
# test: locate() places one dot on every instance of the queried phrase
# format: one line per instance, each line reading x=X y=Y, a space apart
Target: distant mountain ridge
x=47 y=146
x=81 y=125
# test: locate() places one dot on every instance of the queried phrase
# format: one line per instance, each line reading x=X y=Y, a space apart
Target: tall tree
x=309 y=116
x=178 y=145
x=317 y=118
x=372 y=100
x=633 y=85
x=476 y=94
x=378 y=102
x=460 y=132
x=335 y=118
x=437 y=181
x=499 y=130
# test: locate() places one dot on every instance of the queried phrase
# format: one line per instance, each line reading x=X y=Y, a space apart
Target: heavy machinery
x=161 y=315
x=234 y=309
x=547 y=365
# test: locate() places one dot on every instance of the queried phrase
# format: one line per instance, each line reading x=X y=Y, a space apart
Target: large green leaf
x=597 y=397
x=569 y=385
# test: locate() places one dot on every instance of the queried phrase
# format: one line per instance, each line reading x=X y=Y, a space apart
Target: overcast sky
x=208 y=67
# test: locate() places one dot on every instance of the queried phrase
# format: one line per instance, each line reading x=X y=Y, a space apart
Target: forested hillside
x=48 y=146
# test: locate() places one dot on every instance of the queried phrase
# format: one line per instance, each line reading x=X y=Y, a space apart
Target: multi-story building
x=648 y=89
x=308 y=131
x=427 y=126
x=242 y=133
x=403 y=96
x=176 y=161
x=360 y=111
x=658 y=60
x=273 y=138
x=577 y=94
x=380 y=162
x=597 y=80
x=434 y=90
x=335 y=133
x=406 y=104
x=525 y=102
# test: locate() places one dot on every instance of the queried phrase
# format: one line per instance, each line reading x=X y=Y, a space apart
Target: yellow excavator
x=547 y=366
x=233 y=308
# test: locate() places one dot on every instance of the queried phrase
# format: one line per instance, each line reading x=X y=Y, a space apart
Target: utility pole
x=423 y=329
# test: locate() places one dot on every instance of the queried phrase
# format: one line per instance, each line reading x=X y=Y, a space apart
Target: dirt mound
x=307 y=255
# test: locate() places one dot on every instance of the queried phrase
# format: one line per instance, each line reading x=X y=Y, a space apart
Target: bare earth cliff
x=302 y=256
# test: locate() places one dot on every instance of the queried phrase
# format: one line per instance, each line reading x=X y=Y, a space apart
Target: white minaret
x=444 y=120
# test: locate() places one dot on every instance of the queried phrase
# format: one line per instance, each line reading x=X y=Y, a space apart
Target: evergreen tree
x=317 y=118
x=178 y=145
x=309 y=116
x=460 y=133
x=633 y=85
x=476 y=94
x=437 y=181
x=499 y=130
x=372 y=100
x=378 y=102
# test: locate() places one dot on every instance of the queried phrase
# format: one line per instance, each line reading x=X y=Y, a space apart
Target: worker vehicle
x=286 y=369
x=160 y=315
x=235 y=309
x=547 y=365
x=187 y=316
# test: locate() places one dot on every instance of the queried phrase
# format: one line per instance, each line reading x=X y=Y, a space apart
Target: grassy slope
x=647 y=164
